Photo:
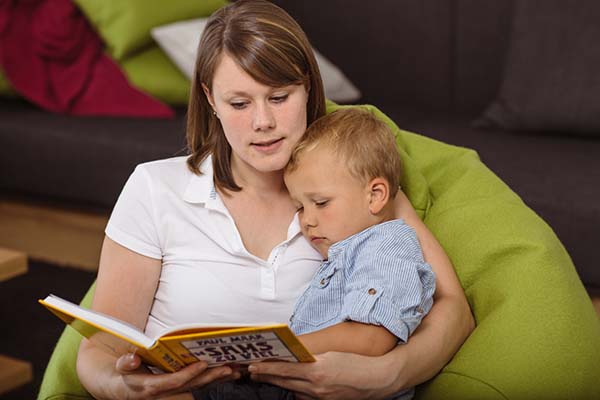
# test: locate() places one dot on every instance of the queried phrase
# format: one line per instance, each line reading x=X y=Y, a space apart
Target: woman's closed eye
x=321 y=203
x=279 y=98
x=238 y=105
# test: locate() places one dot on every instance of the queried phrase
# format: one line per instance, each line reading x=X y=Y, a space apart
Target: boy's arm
x=351 y=337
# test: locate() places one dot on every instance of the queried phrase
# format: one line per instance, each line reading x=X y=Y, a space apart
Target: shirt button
x=323 y=281
x=372 y=291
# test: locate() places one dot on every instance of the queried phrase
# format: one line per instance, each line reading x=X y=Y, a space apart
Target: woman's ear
x=209 y=98
x=379 y=192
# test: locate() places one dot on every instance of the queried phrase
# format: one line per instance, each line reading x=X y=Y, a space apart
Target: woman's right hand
x=127 y=378
x=138 y=383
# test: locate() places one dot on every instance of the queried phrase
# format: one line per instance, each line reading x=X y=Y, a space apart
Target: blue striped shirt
x=377 y=276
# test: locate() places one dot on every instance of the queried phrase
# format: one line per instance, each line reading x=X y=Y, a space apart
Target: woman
x=212 y=237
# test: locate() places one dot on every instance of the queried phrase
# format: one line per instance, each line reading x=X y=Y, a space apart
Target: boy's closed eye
x=321 y=203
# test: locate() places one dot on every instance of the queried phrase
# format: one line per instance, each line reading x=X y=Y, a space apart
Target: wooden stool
x=13 y=372
x=12 y=263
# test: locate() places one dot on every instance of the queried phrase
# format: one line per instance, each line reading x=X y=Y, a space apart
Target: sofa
x=516 y=213
x=433 y=67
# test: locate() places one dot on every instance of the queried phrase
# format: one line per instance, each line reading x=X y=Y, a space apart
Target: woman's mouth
x=268 y=146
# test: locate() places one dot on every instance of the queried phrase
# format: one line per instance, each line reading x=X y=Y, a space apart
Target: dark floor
x=23 y=320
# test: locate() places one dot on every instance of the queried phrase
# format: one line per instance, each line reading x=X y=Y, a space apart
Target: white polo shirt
x=167 y=212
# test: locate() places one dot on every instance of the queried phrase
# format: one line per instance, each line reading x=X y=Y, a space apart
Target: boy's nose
x=307 y=220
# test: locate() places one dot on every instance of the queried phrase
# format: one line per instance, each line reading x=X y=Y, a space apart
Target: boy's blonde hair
x=359 y=139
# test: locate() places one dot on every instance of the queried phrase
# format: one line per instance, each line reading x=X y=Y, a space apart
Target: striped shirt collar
x=336 y=248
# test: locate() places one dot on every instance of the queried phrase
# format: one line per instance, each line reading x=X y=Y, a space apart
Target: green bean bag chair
x=537 y=335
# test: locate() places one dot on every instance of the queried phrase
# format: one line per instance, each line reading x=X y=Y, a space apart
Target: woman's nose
x=263 y=118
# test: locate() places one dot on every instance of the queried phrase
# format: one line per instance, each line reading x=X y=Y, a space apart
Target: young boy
x=344 y=175
x=373 y=287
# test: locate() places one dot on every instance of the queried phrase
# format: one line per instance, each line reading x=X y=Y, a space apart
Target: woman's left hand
x=333 y=376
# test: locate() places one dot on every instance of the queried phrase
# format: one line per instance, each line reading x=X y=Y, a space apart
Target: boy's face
x=332 y=204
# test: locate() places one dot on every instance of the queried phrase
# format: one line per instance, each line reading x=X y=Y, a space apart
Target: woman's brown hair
x=268 y=45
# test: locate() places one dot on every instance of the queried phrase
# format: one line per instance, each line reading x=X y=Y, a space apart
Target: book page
x=89 y=322
x=199 y=327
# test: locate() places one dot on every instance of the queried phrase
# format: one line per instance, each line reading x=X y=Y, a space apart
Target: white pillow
x=179 y=41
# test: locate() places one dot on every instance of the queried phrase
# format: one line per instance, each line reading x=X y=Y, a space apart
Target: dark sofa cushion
x=551 y=80
x=393 y=51
x=481 y=39
x=78 y=160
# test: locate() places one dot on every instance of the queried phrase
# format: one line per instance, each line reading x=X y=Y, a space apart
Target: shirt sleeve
x=388 y=282
x=132 y=223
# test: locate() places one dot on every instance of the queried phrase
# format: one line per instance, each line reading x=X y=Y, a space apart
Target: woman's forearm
x=94 y=368
x=433 y=344
x=449 y=322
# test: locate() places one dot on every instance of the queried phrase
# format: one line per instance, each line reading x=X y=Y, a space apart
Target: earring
x=214 y=112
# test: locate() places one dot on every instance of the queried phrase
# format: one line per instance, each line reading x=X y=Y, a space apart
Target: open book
x=174 y=348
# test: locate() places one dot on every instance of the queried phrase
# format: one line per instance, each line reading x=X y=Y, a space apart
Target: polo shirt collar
x=294 y=228
x=201 y=188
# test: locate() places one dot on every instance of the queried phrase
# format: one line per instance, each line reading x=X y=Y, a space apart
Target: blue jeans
x=243 y=389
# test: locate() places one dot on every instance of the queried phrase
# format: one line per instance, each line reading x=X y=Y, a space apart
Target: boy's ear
x=379 y=192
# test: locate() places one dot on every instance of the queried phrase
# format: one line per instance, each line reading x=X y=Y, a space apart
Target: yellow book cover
x=172 y=349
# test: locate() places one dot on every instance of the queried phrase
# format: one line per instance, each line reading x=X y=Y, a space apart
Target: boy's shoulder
x=388 y=230
x=391 y=238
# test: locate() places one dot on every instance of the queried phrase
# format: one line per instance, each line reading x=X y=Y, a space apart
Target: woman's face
x=261 y=123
